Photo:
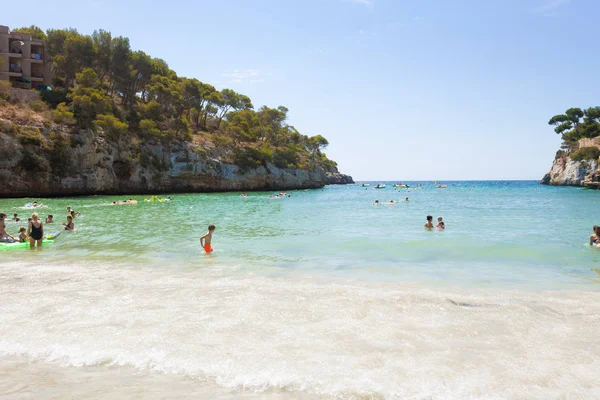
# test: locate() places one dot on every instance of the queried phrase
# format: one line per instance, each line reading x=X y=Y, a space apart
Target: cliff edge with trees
x=120 y=121
x=576 y=163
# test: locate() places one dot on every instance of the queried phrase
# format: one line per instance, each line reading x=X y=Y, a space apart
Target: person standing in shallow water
x=207 y=238
x=429 y=223
x=35 y=231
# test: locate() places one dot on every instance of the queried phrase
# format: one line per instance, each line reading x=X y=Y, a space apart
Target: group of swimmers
x=119 y=203
x=390 y=203
x=276 y=196
x=34 y=233
x=440 y=225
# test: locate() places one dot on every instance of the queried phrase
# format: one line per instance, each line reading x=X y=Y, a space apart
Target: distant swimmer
x=595 y=238
x=406 y=199
x=376 y=203
x=429 y=224
x=16 y=217
x=440 y=225
x=207 y=238
x=49 y=219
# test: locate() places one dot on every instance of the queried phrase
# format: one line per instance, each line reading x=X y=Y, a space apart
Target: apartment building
x=24 y=60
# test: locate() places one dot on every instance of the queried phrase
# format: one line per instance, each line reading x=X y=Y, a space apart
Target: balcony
x=37 y=76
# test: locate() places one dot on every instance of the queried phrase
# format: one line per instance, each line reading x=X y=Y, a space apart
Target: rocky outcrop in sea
x=90 y=165
x=567 y=172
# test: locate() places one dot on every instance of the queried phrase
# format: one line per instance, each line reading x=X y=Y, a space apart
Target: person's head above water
x=15 y=214
x=429 y=218
x=211 y=228
x=440 y=219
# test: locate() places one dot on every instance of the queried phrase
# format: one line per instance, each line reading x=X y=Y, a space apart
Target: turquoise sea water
x=320 y=295
x=498 y=233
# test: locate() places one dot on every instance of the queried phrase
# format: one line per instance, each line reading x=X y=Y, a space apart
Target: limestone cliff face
x=566 y=172
x=91 y=165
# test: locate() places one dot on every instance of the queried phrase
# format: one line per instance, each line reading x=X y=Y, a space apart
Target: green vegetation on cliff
x=100 y=83
x=576 y=124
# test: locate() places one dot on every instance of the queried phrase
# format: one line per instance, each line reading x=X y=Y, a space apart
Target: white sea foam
x=294 y=335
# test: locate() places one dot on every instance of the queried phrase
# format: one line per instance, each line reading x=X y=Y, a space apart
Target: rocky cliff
x=567 y=172
x=86 y=163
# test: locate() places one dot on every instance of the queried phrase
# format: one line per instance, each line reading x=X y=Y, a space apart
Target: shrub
x=62 y=115
x=113 y=128
x=59 y=140
x=33 y=162
x=252 y=158
x=222 y=140
x=286 y=158
x=38 y=106
x=149 y=129
x=4 y=90
x=27 y=135
x=242 y=159
x=586 y=153
x=8 y=127
x=54 y=97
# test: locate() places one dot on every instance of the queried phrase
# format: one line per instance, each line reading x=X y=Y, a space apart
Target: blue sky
x=427 y=89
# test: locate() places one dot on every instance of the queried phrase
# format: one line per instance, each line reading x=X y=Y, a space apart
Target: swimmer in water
x=69 y=226
x=594 y=237
x=49 y=219
x=23 y=235
x=16 y=217
x=440 y=225
x=376 y=203
x=406 y=199
x=429 y=224
x=4 y=236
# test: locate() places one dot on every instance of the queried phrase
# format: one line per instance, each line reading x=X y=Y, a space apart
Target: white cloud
x=550 y=7
x=241 y=75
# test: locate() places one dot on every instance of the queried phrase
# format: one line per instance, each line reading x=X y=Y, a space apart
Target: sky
x=402 y=89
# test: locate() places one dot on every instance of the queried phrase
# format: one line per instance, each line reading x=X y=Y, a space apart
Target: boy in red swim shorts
x=206 y=239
